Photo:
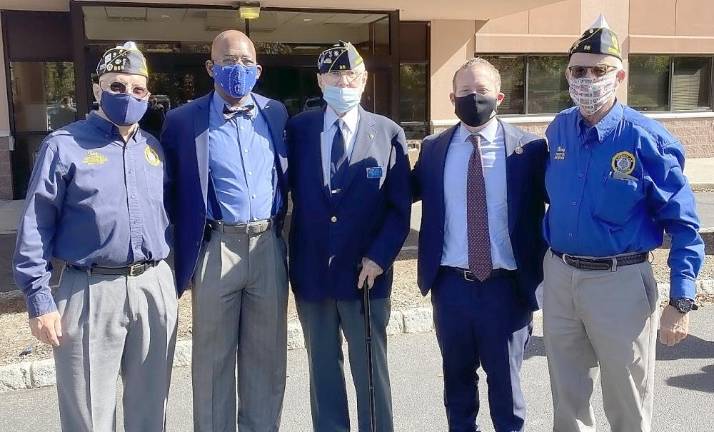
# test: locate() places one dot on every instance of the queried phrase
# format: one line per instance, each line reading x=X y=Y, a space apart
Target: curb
x=41 y=373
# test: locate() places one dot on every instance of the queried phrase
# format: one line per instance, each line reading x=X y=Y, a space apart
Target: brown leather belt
x=132 y=270
x=608 y=263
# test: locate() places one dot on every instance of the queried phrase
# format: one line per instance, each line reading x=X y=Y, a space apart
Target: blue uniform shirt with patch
x=614 y=188
x=92 y=200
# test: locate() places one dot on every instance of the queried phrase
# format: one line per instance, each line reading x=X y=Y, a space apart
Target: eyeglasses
x=136 y=91
x=597 y=70
x=333 y=78
x=232 y=61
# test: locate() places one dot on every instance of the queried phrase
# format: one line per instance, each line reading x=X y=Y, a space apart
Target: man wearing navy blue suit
x=480 y=247
x=349 y=176
x=227 y=194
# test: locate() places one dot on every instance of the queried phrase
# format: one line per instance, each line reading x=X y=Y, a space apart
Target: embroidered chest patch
x=623 y=163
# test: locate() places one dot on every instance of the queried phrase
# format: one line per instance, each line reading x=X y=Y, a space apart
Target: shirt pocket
x=618 y=198
x=154 y=176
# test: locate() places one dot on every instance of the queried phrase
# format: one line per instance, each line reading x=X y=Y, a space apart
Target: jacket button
x=333 y=219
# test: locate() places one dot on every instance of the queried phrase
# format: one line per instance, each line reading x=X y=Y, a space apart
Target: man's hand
x=47 y=328
x=370 y=271
x=674 y=326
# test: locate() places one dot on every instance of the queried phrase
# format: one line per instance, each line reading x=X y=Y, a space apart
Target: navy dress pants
x=481 y=324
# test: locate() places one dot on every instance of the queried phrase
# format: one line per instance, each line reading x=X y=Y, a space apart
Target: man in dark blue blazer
x=227 y=197
x=481 y=184
x=349 y=176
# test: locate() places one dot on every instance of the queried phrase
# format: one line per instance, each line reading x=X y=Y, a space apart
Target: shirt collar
x=217 y=103
x=489 y=133
x=604 y=126
x=104 y=125
x=349 y=120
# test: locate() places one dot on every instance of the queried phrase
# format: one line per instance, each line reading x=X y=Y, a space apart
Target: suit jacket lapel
x=514 y=182
x=200 y=125
x=441 y=150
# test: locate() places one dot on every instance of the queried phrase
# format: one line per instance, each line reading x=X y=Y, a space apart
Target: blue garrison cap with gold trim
x=123 y=59
x=342 y=56
x=598 y=39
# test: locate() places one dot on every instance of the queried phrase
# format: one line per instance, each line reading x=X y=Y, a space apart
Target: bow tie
x=245 y=111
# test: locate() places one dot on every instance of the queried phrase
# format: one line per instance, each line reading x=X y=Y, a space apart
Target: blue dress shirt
x=616 y=186
x=92 y=200
x=241 y=160
x=493 y=161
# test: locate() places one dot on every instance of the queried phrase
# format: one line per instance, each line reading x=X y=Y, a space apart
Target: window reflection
x=42 y=95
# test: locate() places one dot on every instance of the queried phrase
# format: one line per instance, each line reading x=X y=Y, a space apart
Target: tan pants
x=606 y=322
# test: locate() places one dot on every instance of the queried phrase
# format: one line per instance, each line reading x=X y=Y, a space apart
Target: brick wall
x=696 y=134
x=5 y=170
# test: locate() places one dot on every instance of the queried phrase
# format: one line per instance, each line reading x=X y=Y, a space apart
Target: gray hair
x=480 y=62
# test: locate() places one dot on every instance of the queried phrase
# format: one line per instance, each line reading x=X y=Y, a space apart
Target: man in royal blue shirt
x=227 y=189
x=615 y=181
x=95 y=201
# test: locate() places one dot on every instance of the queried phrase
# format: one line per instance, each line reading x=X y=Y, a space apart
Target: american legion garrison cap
x=342 y=56
x=123 y=59
x=598 y=39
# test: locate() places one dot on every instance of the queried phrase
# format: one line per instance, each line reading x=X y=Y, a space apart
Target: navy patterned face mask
x=236 y=80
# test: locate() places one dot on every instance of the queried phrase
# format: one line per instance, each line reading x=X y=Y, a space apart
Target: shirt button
x=333 y=219
x=252 y=196
x=245 y=151
x=250 y=172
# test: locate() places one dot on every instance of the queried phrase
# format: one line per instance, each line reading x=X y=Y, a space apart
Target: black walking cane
x=368 y=344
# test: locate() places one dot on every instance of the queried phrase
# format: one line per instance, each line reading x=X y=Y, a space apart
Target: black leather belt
x=132 y=270
x=250 y=229
x=609 y=263
x=469 y=276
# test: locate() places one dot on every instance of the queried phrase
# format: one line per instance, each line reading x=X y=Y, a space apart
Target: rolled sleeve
x=31 y=262
x=672 y=203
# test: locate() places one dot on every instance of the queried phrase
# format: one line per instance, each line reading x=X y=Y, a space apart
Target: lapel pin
x=371 y=136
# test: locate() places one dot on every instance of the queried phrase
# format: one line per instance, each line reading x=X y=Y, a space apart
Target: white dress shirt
x=493 y=161
x=349 y=124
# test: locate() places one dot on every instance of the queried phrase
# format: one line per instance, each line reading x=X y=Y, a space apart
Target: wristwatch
x=683 y=305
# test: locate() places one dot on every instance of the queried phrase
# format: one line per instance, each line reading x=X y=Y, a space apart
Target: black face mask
x=475 y=109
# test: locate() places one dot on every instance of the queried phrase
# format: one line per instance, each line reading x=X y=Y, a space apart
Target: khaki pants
x=112 y=326
x=600 y=322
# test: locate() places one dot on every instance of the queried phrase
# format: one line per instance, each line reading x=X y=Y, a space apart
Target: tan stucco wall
x=4 y=111
x=672 y=26
x=452 y=43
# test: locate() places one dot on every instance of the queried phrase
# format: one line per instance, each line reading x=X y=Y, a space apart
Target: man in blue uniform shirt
x=349 y=178
x=615 y=181
x=95 y=201
x=227 y=163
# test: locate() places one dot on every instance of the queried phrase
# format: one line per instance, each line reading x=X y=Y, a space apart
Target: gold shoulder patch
x=151 y=156
x=623 y=162
x=94 y=158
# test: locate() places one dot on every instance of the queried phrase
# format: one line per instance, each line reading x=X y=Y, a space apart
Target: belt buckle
x=469 y=276
x=613 y=267
x=136 y=270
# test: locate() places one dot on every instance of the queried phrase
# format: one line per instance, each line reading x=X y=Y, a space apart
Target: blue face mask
x=122 y=109
x=342 y=99
x=236 y=80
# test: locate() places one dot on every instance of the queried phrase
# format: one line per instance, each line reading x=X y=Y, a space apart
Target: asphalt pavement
x=684 y=389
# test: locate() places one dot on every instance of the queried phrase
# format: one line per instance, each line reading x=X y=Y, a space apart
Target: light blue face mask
x=342 y=99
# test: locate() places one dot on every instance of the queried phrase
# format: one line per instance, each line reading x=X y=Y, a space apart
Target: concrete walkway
x=700 y=172
x=684 y=389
